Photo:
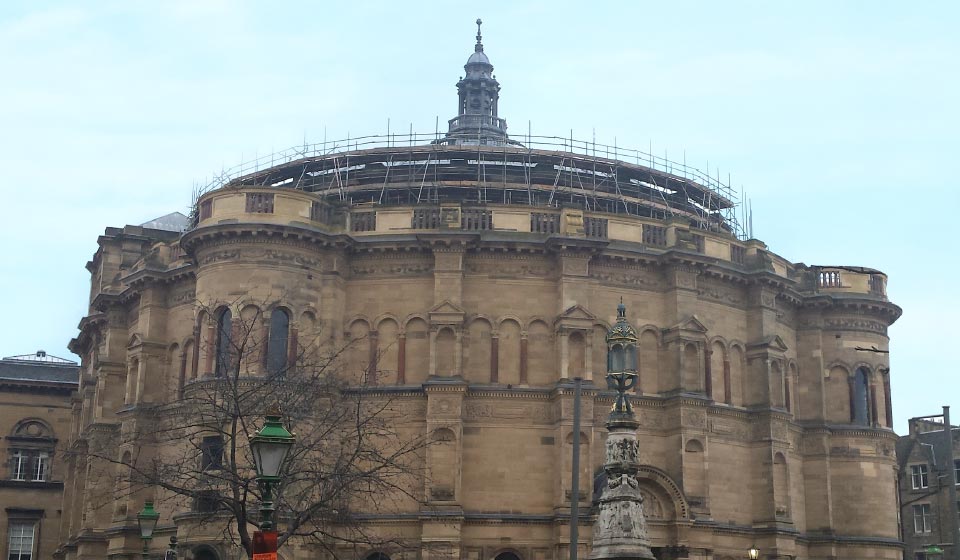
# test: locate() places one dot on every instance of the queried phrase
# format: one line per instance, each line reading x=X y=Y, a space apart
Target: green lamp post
x=270 y=447
x=147 y=521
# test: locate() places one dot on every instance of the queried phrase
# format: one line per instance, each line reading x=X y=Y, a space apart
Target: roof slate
x=39 y=371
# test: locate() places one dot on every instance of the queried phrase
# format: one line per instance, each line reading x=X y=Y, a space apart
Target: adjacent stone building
x=473 y=276
x=926 y=463
x=35 y=417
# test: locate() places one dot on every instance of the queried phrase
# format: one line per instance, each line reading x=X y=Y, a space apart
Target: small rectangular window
x=922 y=520
x=206 y=209
x=956 y=471
x=260 y=203
x=20 y=542
x=919 y=476
x=211 y=448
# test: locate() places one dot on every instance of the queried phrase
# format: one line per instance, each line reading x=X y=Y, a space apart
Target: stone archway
x=204 y=552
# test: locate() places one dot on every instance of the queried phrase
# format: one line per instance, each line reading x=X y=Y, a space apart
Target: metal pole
x=952 y=482
x=575 y=474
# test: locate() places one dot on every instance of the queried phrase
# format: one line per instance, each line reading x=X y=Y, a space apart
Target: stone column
x=708 y=371
x=887 y=400
x=727 y=386
x=523 y=358
x=402 y=359
x=433 y=351
x=564 y=355
x=588 y=356
x=494 y=359
x=852 y=403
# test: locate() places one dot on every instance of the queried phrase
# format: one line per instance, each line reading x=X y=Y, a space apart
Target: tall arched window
x=224 y=326
x=278 y=341
x=860 y=395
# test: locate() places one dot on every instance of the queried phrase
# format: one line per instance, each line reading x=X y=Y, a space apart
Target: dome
x=478 y=58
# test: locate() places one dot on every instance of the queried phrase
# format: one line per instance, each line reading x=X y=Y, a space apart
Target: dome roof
x=478 y=57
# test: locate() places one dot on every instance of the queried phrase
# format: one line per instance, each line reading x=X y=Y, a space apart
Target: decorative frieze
x=541 y=413
x=713 y=290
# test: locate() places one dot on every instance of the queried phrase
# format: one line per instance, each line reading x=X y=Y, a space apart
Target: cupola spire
x=478 y=99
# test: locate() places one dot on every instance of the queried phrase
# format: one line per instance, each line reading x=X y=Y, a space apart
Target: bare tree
x=354 y=455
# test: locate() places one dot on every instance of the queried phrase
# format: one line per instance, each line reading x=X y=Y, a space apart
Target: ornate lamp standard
x=147 y=520
x=270 y=447
x=753 y=553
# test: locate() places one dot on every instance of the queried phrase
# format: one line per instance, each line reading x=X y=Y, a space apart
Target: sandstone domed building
x=473 y=276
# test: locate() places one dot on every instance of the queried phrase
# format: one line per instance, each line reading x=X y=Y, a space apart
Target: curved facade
x=475 y=308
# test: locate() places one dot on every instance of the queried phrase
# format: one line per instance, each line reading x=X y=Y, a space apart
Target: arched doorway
x=204 y=552
x=507 y=556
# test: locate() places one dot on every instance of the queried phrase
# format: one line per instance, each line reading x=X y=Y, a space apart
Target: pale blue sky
x=839 y=119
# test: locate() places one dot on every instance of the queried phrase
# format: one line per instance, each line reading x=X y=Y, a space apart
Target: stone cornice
x=859 y=304
x=236 y=231
x=147 y=276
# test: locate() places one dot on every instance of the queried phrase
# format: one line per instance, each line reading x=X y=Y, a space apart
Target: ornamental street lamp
x=147 y=520
x=753 y=553
x=270 y=447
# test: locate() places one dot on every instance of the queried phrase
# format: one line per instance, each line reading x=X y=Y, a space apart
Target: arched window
x=31 y=450
x=278 y=341
x=376 y=556
x=507 y=556
x=224 y=326
x=860 y=395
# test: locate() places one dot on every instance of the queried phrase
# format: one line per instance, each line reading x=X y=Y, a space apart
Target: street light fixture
x=147 y=520
x=270 y=447
x=753 y=553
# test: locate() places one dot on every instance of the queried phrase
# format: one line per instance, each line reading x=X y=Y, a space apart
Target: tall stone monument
x=620 y=531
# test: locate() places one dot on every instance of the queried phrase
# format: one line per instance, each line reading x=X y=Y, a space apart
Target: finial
x=479 y=47
x=621 y=310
